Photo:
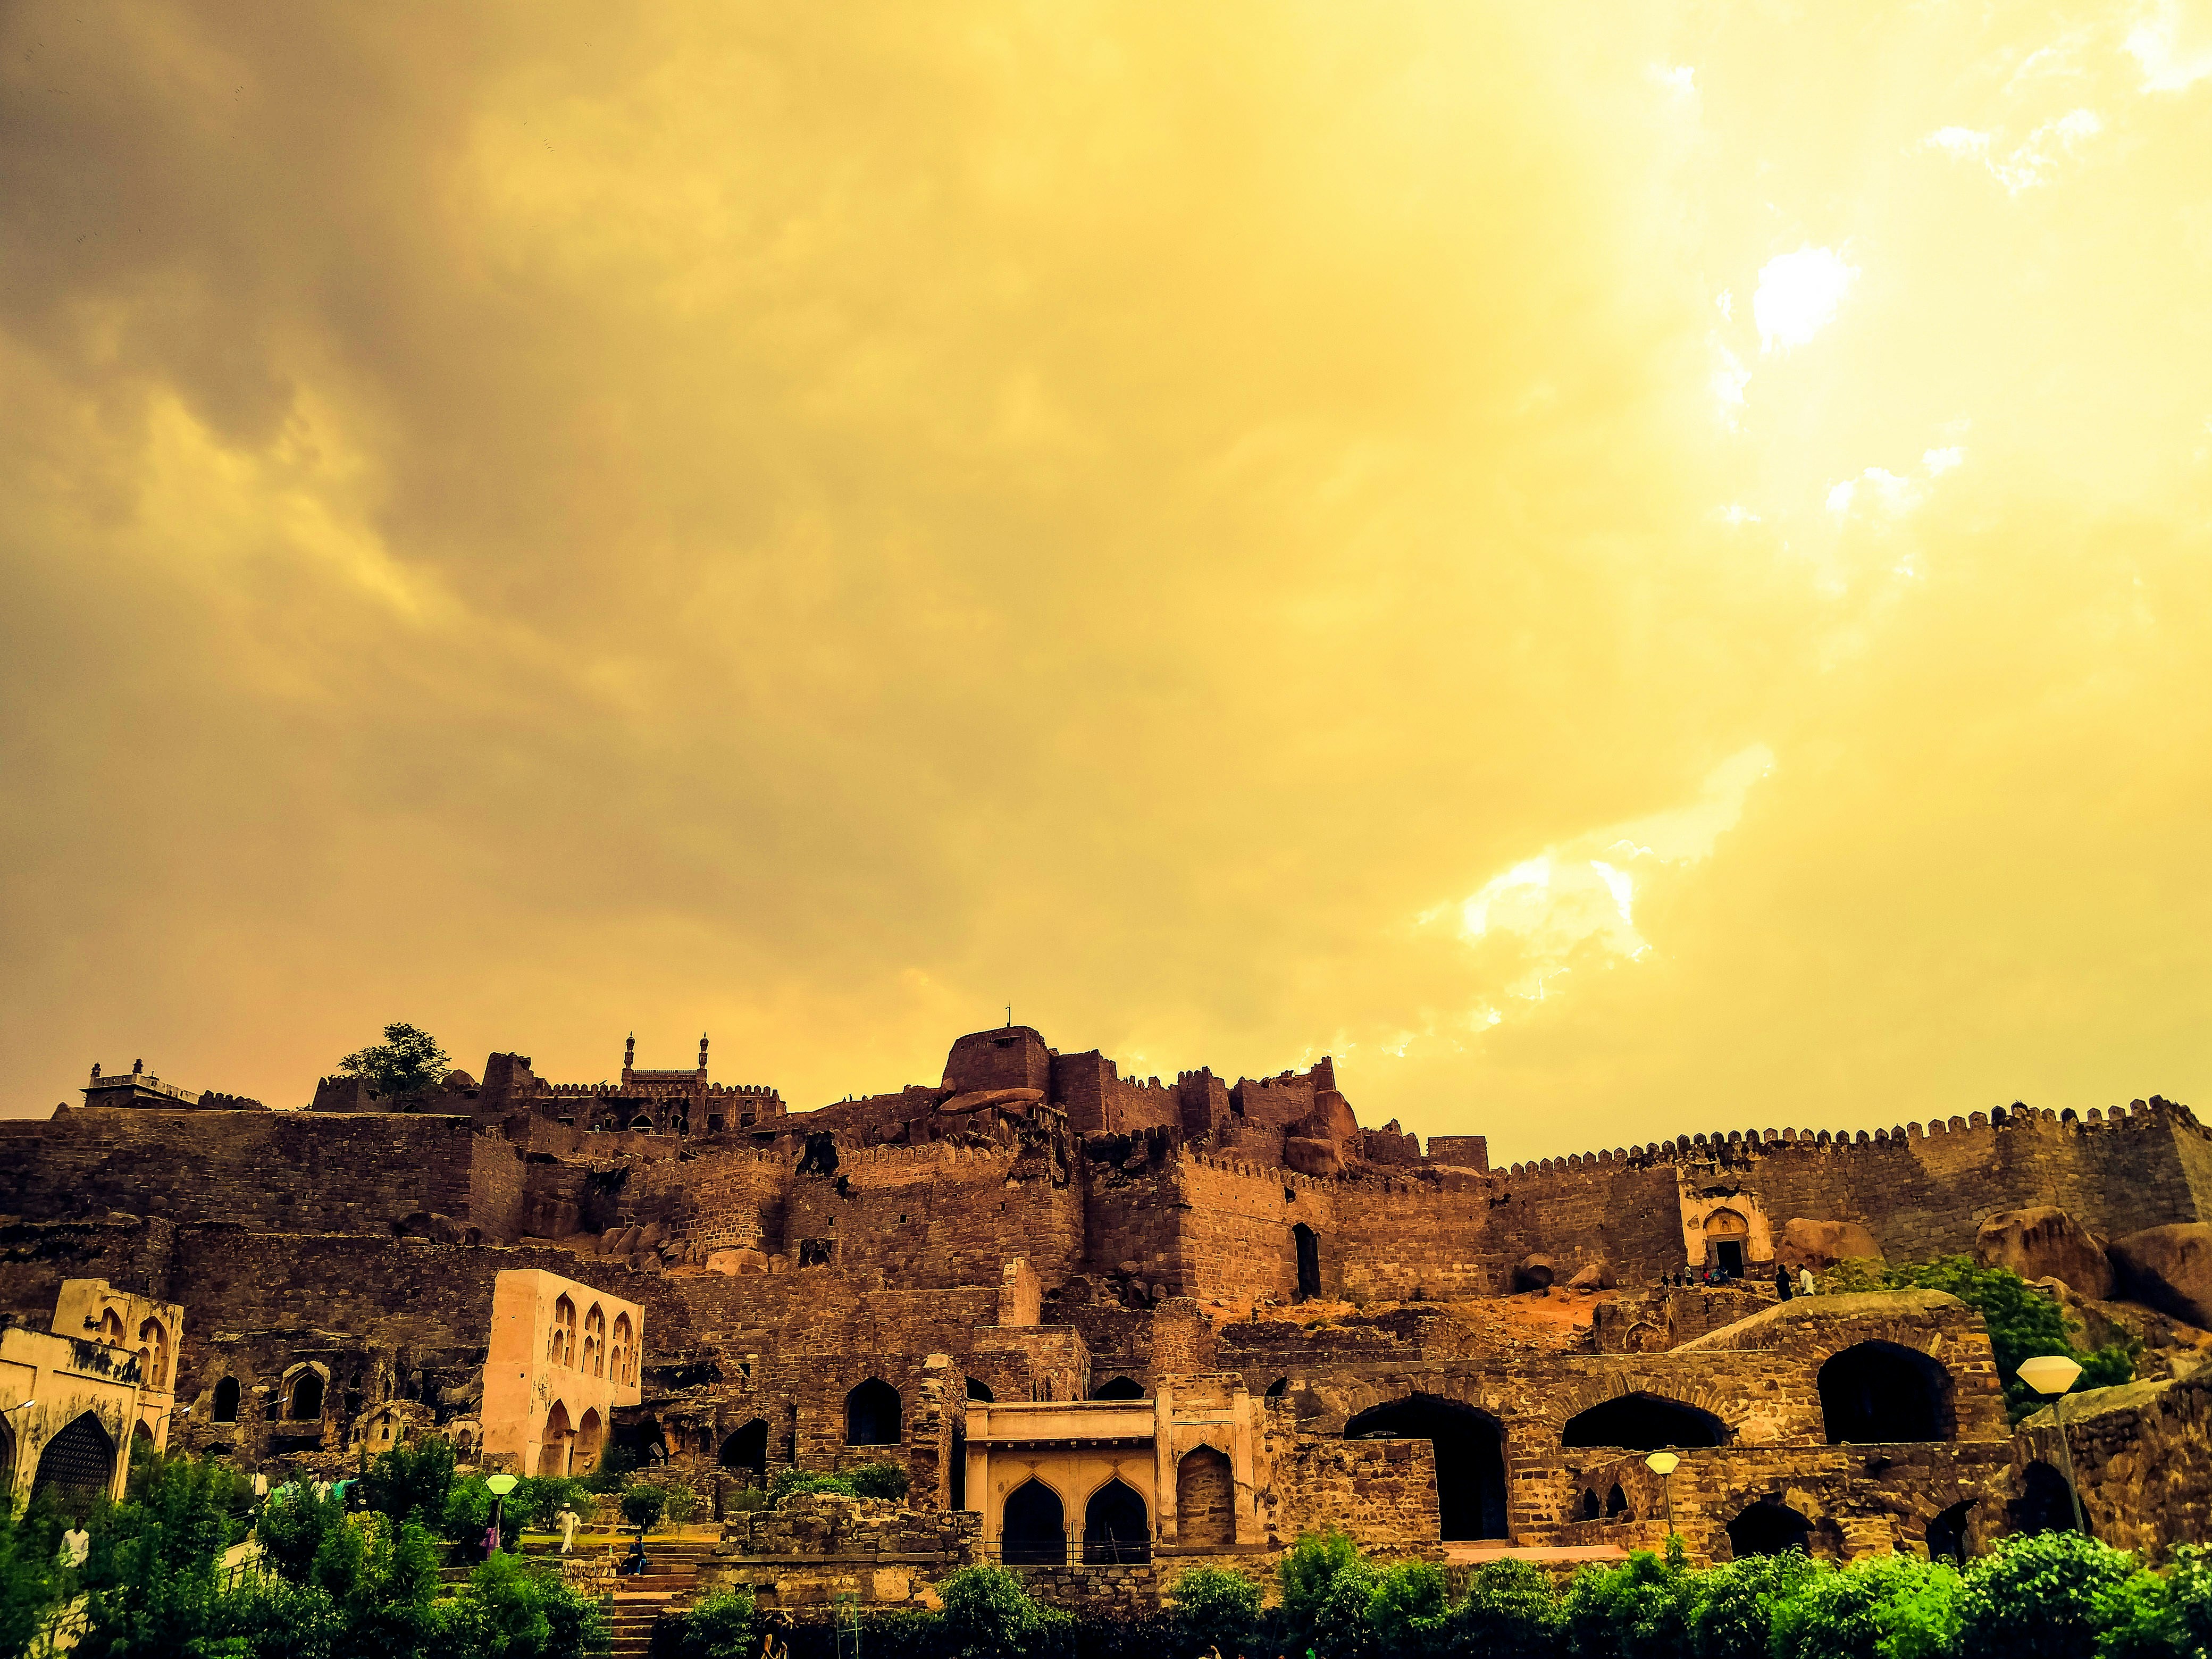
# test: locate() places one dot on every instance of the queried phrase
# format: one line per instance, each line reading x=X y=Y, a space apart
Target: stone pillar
x=929 y=1433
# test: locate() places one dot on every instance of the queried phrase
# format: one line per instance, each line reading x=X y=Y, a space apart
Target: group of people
x=1785 y=1284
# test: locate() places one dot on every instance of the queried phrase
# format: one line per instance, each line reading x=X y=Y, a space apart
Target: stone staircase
x=671 y=1577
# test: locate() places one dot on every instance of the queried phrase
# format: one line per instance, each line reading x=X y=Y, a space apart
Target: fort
x=1105 y=1321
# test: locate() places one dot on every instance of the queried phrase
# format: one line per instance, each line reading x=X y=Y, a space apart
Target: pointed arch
x=1119 y=1387
x=1033 y=1527
x=554 y=1443
x=1206 y=1500
x=1875 y=1392
x=77 y=1466
x=561 y=1348
x=872 y=1414
x=595 y=1342
x=590 y=1435
x=153 y=1355
x=746 y=1450
x=1470 y=1453
x=303 y=1394
x=1117 y=1529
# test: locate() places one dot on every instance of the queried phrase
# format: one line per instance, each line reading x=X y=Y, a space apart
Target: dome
x=460 y=1080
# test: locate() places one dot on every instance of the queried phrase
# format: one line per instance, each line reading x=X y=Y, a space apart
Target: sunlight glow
x=1798 y=293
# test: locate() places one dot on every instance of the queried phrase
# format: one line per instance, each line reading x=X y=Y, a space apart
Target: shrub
x=879 y=1480
x=745 y=1500
x=293 y=1526
x=722 y=1626
x=641 y=1505
x=1735 y=1614
x=1308 y=1572
x=1888 y=1606
x=1639 y=1610
x=1214 y=1608
x=683 y=1501
x=988 y=1615
x=615 y=1465
x=412 y=1482
x=791 y=1481
x=31 y=1580
x=2046 y=1597
x=511 y=1610
x=1409 y=1610
x=1509 y=1612
x=151 y=1579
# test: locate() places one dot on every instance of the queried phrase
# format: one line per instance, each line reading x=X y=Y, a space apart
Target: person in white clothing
x=76 y=1545
x=567 y=1521
x=1804 y=1281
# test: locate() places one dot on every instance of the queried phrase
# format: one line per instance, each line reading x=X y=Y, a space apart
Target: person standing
x=1782 y=1287
x=76 y=1545
x=1804 y=1281
x=567 y=1521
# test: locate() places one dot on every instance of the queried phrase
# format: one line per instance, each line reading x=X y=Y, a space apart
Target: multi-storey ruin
x=1110 y=1320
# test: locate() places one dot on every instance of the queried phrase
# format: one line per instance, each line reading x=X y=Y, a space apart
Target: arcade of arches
x=1470 y=1454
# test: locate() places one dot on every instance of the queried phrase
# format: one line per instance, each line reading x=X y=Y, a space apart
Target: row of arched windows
x=153 y=1360
x=598 y=1355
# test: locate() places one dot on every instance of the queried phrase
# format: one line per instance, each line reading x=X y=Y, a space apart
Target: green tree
x=1887 y=1606
x=723 y=1625
x=642 y=1504
x=791 y=1481
x=988 y=1615
x=1639 y=1610
x=292 y=1526
x=31 y=1581
x=1214 y=1608
x=407 y=1060
x=511 y=1609
x=1313 y=1608
x=1735 y=1615
x=1409 y=1613
x=2051 y=1597
x=151 y=1580
x=412 y=1482
x=1509 y=1612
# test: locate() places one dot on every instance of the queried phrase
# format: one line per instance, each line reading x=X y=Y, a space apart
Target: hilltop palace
x=1104 y=1322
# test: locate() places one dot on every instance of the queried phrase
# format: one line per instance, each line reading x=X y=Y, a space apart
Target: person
x=76 y=1545
x=1782 y=1287
x=567 y=1521
x=1804 y=1281
x=633 y=1565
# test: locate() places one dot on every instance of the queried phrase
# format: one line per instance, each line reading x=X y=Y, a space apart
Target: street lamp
x=501 y=1484
x=2051 y=1375
x=1662 y=1464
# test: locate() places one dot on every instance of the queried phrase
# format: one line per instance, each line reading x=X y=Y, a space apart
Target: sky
x=1623 y=570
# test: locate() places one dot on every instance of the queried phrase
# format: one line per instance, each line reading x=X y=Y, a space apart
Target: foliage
x=682 y=1502
x=1735 y=1615
x=1639 y=1610
x=879 y=1480
x=722 y=1626
x=294 y=1524
x=511 y=1610
x=791 y=1481
x=2023 y=1321
x=1889 y=1607
x=467 y=1514
x=1308 y=1570
x=617 y=1464
x=748 y=1499
x=31 y=1582
x=2046 y=1597
x=408 y=1060
x=538 y=1499
x=412 y=1482
x=641 y=1505
x=1214 y=1607
x=1409 y=1610
x=988 y=1615
x=1509 y=1612
x=152 y=1580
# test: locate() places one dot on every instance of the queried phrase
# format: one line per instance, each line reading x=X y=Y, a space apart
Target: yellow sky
x=1626 y=571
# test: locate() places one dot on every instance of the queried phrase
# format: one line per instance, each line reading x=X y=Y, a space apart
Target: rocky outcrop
x=2046 y=1242
x=2169 y=1268
x=1821 y=1244
x=1597 y=1276
x=1312 y=1158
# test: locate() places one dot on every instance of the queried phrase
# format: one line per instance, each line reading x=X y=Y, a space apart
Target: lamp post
x=1662 y=1464
x=2051 y=1375
x=501 y=1484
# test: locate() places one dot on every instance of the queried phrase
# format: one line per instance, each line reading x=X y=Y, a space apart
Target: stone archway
x=1877 y=1391
x=746 y=1450
x=1116 y=1528
x=1644 y=1422
x=553 y=1446
x=1033 y=1527
x=1768 y=1527
x=77 y=1466
x=1470 y=1452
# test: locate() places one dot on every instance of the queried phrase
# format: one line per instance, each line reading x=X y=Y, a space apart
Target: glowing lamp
x=1663 y=1463
x=501 y=1485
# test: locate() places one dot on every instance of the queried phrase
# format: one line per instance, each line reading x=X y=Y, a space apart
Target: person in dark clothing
x=1782 y=1287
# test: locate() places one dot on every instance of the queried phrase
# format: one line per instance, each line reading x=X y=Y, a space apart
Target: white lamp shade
x=501 y=1485
x=1661 y=1463
x=2050 y=1373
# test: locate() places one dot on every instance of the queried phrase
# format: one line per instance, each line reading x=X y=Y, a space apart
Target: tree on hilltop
x=407 y=1060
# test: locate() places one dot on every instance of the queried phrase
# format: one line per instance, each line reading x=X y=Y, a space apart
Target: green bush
x=617 y=1464
x=1887 y=1606
x=2047 y=1597
x=642 y=1504
x=879 y=1480
x=722 y=1626
x=1639 y=1610
x=791 y=1481
x=293 y=1526
x=745 y=1500
x=1408 y=1612
x=511 y=1610
x=541 y=1496
x=412 y=1482
x=1735 y=1614
x=1509 y=1612
x=151 y=1578
x=31 y=1580
x=988 y=1615
x=1214 y=1608
x=1307 y=1573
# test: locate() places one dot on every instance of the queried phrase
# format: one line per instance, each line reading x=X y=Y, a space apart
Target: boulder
x=976 y=1099
x=1821 y=1244
x=2043 y=1242
x=1534 y=1272
x=1311 y=1157
x=1597 y=1276
x=736 y=1262
x=2170 y=1268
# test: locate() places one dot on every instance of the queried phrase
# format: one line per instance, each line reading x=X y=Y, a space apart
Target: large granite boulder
x=2043 y=1242
x=2170 y=1268
x=1310 y=1157
x=1821 y=1244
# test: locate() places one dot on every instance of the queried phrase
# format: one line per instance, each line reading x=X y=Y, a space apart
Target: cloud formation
x=816 y=523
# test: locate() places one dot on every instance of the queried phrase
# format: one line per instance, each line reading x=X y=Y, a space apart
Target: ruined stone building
x=1108 y=1319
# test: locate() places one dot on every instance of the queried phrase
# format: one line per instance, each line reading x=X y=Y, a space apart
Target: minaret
x=629 y=1056
x=703 y=1053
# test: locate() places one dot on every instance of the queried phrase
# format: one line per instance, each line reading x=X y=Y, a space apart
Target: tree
x=1409 y=1611
x=412 y=1482
x=1887 y=1606
x=152 y=1582
x=31 y=1581
x=1639 y=1610
x=1215 y=1609
x=409 y=1060
x=1734 y=1618
x=2046 y=1597
x=988 y=1615
x=641 y=1505
x=1509 y=1612
x=723 y=1625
